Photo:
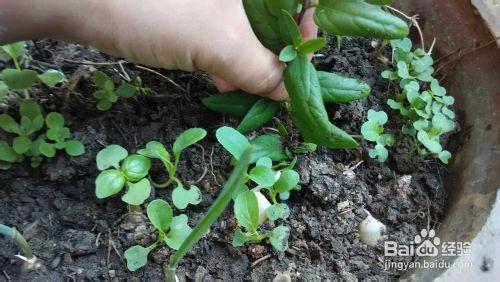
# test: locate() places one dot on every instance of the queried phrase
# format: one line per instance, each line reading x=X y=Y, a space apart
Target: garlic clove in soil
x=370 y=230
x=264 y=204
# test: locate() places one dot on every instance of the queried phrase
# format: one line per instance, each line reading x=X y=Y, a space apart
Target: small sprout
x=372 y=130
x=108 y=94
x=370 y=230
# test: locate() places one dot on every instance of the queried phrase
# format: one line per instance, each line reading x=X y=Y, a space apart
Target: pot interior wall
x=472 y=76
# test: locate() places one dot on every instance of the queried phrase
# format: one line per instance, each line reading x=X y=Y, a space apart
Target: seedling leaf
x=74 y=148
x=111 y=156
x=287 y=181
x=137 y=193
x=277 y=211
x=160 y=214
x=136 y=167
x=137 y=257
x=263 y=176
x=108 y=183
x=279 y=238
x=19 y=79
x=188 y=138
x=268 y=146
x=54 y=120
x=182 y=197
x=246 y=210
x=233 y=141
x=179 y=230
x=52 y=77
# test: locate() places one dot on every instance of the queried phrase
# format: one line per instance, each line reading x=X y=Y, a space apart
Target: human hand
x=210 y=35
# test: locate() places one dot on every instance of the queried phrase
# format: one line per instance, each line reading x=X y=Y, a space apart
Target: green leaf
x=279 y=238
x=444 y=156
x=289 y=29
x=263 y=176
x=246 y=210
x=264 y=161
x=386 y=139
x=403 y=44
x=447 y=112
x=408 y=130
x=74 y=148
x=7 y=154
x=426 y=76
x=52 y=77
x=307 y=108
x=263 y=23
x=357 y=18
x=155 y=150
x=288 y=54
x=21 y=144
x=126 y=90
x=268 y=146
x=448 y=100
x=104 y=105
x=47 y=149
x=54 y=120
x=240 y=238
x=437 y=89
x=30 y=109
x=277 y=211
x=99 y=79
x=380 y=117
x=19 y=79
x=371 y=130
x=287 y=181
x=339 y=89
x=179 y=231
x=421 y=124
x=108 y=183
x=441 y=122
x=136 y=167
x=4 y=90
x=137 y=193
x=188 y=138
x=182 y=197
x=137 y=257
x=397 y=106
x=58 y=134
x=236 y=103
x=311 y=46
x=391 y=75
x=260 y=113
x=111 y=156
x=8 y=124
x=430 y=144
x=160 y=214
x=275 y=6
x=380 y=2
x=233 y=141
x=15 y=50
x=381 y=152
x=403 y=70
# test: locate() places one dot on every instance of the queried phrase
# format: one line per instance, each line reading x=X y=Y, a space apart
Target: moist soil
x=77 y=237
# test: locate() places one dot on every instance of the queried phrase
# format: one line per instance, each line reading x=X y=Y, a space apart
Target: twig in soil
x=260 y=260
x=111 y=244
x=413 y=20
x=162 y=76
x=212 y=166
x=97 y=239
x=96 y=63
x=6 y=275
x=205 y=169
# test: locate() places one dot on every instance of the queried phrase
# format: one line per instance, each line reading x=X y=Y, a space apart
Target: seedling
x=26 y=144
x=274 y=23
x=19 y=79
x=421 y=100
x=172 y=230
x=252 y=208
x=24 y=247
x=107 y=94
x=155 y=150
x=372 y=130
x=120 y=170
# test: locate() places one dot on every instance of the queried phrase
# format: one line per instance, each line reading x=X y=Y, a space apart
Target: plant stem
x=19 y=240
x=357 y=136
x=18 y=67
x=134 y=208
x=213 y=213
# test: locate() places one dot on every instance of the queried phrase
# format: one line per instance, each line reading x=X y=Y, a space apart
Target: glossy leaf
x=155 y=150
x=263 y=176
x=8 y=124
x=287 y=54
x=160 y=214
x=19 y=79
x=15 y=50
x=111 y=156
x=263 y=23
x=289 y=30
x=338 y=89
x=136 y=167
x=307 y=109
x=260 y=113
x=312 y=45
x=54 y=120
x=52 y=77
x=108 y=183
x=444 y=156
x=74 y=148
x=358 y=18
x=287 y=181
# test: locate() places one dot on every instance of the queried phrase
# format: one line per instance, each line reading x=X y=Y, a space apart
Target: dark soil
x=77 y=237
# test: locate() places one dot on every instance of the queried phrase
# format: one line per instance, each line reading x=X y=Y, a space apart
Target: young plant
x=252 y=208
x=373 y=130
x=420 y=99
x=172 y=230
x=24 y=247
x=27 y=143
x=19 y=79
x=274 y=23
x=155 y=150
x=108 y=94
x=114 y=176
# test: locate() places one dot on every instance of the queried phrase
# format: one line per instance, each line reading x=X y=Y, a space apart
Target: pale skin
x=208 y=35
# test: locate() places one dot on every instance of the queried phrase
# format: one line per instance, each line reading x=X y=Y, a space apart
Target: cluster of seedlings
x=263 y=176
